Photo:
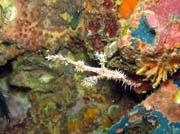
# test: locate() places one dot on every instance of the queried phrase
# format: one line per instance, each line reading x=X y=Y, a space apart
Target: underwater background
x=89 y=66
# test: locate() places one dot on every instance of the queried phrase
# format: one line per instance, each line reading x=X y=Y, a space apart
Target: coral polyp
x=158 y=65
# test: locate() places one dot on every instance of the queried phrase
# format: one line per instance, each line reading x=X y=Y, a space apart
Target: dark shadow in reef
x=5 y=72
x=6 y=69
x=4 y=110
x=126 y=90
x=19 y=88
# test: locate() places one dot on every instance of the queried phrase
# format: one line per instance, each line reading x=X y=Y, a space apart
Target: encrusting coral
x=163 y=101
x=160 y=60
x=30 y=25
x=102 y=71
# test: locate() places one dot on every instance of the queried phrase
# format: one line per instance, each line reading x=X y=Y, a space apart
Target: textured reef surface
x=89 y=66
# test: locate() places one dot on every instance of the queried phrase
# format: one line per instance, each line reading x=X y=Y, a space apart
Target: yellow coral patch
x=141 y=70
x=151 y=72
x=74 y=126
x=91 y=114
x=158 y=78
x=106 y=122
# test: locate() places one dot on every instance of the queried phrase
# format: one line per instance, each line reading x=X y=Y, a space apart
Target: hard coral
x=169 y=36
x=162 y=11
x=24 y=29
x=28 y=27
x=163 y=101
x=161 y=59
x=157 y=64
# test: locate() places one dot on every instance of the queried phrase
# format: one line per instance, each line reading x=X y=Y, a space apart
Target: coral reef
x=79 y=66
x=28 y=31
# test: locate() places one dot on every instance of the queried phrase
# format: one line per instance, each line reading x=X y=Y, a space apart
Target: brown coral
x=93 y=26
x=111 y=26
x=30 y=29
x=108 y=4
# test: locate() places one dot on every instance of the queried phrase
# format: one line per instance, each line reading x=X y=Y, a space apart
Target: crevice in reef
x=128 y=92
x=5 y=75
x=18 y=88
x=6 y=69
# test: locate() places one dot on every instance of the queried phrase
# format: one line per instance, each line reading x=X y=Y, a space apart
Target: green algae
x=46 y=78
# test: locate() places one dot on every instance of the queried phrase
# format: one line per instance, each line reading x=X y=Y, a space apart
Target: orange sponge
x=127 y=7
